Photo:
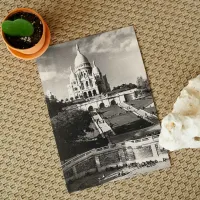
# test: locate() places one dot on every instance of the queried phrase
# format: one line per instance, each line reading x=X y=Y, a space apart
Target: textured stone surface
x=168 y=35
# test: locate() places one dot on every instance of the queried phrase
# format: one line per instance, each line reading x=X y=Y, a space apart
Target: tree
x=147 y=86
x=66 y=100
x=76 y=97
x=125 y=86
x=142 y=83
x=71 y=98
x=132 y=86
x=53 y=98
x=139 y=82
x=71 y=124
x=54 y=106
x=136 y=94
x=69 y=128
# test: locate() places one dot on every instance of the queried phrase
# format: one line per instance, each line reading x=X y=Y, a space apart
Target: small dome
x=80 y=58
x=95 y=69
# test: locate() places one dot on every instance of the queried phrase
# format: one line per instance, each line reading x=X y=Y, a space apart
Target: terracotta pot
x=36 y=50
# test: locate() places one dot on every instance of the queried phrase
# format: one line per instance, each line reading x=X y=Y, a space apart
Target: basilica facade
x=86 y=80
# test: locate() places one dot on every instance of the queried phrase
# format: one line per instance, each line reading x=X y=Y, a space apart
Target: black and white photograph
x=101 y=109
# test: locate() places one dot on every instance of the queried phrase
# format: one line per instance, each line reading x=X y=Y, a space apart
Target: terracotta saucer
x=37 y=54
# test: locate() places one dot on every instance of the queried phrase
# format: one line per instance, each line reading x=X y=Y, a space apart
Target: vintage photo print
x=101 y=108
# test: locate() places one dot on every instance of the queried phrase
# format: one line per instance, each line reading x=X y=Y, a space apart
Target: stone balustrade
x=114 y=155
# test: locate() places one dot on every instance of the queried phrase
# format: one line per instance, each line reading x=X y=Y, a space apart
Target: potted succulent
x=25 y=33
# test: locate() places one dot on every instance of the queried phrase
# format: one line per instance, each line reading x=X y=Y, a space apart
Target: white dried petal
x=181 y=128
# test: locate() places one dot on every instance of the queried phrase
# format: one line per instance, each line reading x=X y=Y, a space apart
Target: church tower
x=73 y=88
x=99 y=78
x=85 y=80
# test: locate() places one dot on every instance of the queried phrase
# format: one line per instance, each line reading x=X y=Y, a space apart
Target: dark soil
x=26 y=42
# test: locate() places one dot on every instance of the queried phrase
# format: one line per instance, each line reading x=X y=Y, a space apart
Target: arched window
x=90 y=94
x=85 y=94
x=113 y=102
x=91 y=84
x=101 y=105
x=87 y=83
x=82 y=86
x=90 y=109
x=94 y=92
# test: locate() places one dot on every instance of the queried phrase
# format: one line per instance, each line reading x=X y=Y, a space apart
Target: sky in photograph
x=116 y=54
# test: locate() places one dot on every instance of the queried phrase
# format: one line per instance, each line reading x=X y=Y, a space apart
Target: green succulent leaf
x=18 y=27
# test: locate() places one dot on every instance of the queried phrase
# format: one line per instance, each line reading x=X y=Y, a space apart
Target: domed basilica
x=86 y=80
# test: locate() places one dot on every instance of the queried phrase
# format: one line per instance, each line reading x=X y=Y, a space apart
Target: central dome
x=80 y=58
